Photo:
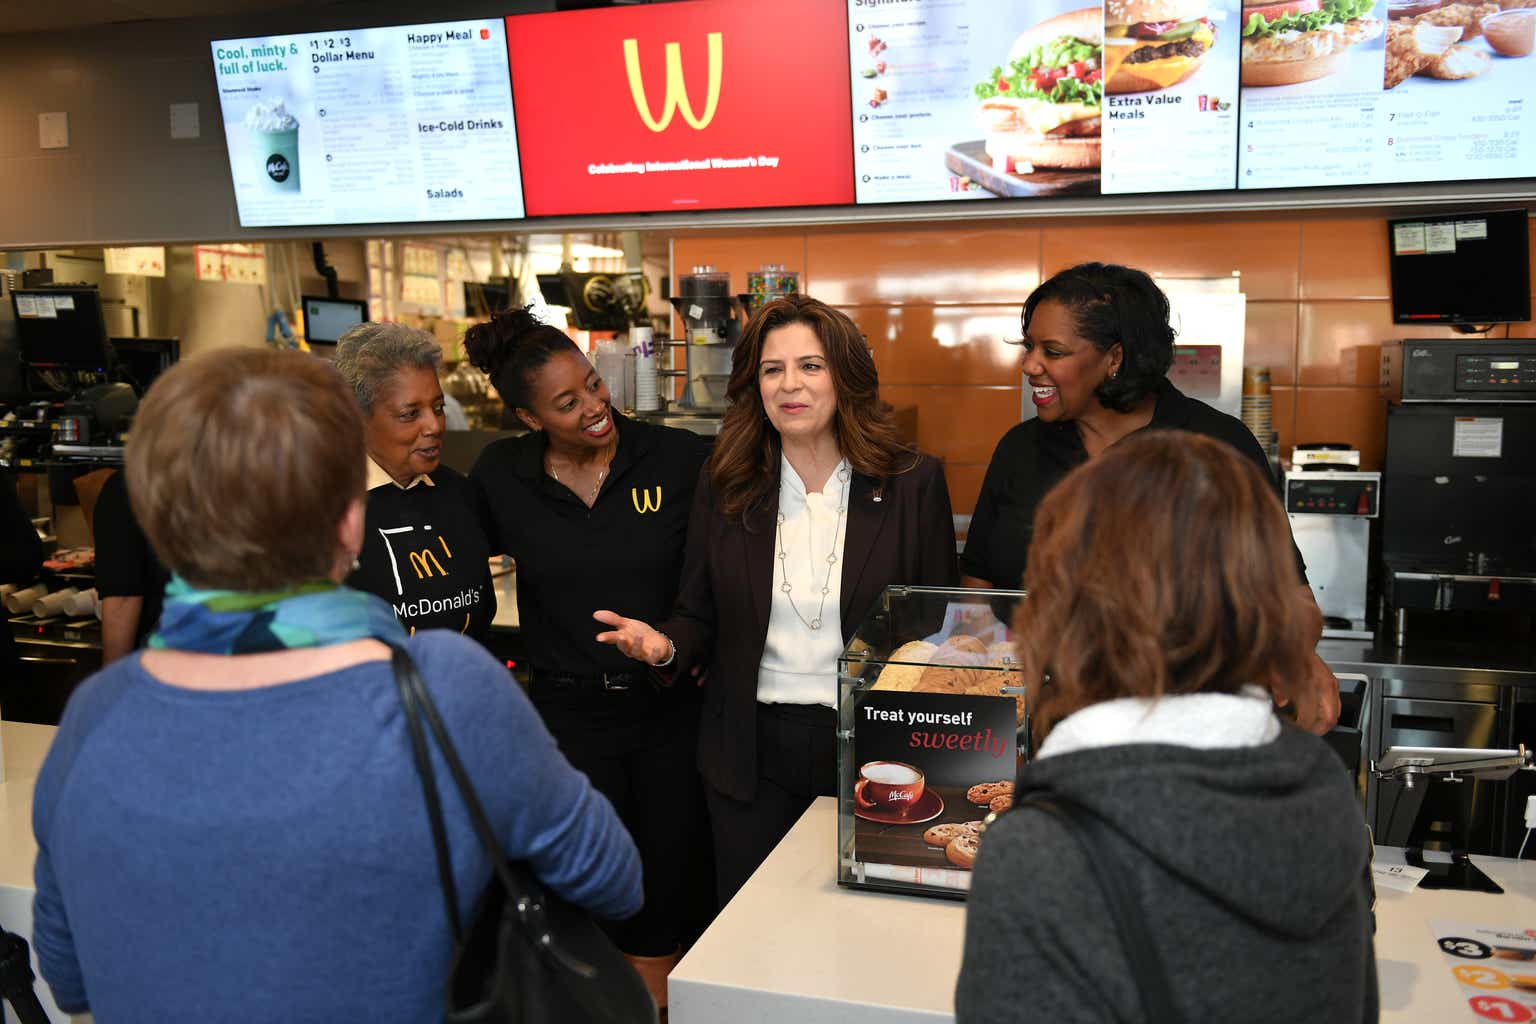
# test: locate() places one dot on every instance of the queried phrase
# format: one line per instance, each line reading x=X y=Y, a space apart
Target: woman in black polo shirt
x=424 y=547
x=594 y=508
x=1097 y=348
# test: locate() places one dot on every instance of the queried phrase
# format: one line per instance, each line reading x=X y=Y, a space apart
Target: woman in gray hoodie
x=1161 y=610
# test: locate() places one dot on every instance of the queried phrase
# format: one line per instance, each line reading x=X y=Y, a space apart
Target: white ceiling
x=38 y=16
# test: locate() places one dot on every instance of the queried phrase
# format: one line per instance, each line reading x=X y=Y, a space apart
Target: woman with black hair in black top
x=1097 y=348
x=594 y=509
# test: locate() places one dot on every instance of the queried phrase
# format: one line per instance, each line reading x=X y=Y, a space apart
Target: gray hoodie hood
x=1273 y=832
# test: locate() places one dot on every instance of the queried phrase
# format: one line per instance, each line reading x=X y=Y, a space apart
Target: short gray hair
x=369 y=355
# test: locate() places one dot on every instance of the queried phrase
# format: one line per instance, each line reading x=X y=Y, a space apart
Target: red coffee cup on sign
x=890 y=785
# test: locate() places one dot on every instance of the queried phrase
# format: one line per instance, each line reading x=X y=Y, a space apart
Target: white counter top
x=504 y=581
x=794 y=947
x=24 y=747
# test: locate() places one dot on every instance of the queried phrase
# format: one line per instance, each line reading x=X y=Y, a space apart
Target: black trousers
x=639 y=749
x=796 y=763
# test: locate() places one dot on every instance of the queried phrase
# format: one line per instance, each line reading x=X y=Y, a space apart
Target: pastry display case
x=932 y=724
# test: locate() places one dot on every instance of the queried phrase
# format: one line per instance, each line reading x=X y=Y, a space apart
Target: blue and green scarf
x=241 y=622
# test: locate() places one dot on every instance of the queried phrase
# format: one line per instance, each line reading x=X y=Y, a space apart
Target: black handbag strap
x=405 y=672
x=523 y=892
x=1098 y=842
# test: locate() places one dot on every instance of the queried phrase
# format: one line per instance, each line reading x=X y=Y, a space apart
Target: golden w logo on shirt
x=677 y=86
x=424 y=561
x=641 y=499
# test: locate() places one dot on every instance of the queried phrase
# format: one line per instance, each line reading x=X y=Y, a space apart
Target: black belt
x=607 y=682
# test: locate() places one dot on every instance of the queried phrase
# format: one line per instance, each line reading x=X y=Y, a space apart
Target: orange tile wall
x=937 y=300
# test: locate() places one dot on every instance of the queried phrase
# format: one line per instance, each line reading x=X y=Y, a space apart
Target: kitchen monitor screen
x=326 y=320
x=61 y=327
x=1469 y=268
x=701 y=105
x=375 y=125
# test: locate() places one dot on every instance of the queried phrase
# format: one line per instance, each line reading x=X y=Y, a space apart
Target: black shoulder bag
x=1098 y=842
x=528 y=957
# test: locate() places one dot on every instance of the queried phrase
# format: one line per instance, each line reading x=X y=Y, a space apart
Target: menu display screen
x=705 y=105
x=377 y=125
x=720 y=104
x=973 y=99
x=1351 y=92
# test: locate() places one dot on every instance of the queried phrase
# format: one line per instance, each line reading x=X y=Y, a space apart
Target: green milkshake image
x=274 y=134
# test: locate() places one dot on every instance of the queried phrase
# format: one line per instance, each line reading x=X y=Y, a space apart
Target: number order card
x=1495 y=967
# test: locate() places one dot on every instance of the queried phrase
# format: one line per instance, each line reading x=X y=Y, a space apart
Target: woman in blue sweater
x=229 y=824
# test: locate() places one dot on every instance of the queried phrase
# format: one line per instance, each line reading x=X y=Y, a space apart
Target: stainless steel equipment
x=710 y=332
x=1331 y=512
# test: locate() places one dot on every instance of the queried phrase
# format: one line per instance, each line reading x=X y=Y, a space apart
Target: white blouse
x=799 y=663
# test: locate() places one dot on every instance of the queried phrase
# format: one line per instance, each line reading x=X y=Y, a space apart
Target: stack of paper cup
x=20 y=602
x=642 y=341
x=83 y=603
x=610 y=366
x=1258 y=409
x=55 y=603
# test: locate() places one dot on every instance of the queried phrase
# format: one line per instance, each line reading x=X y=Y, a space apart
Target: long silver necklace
x=826 y=587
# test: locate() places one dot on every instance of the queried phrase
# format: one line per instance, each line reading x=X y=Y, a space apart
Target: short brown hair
x=1163 y=566
x=241 y=463
x=744 y=466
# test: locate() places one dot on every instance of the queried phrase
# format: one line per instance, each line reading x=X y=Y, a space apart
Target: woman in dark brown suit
x=809 y=507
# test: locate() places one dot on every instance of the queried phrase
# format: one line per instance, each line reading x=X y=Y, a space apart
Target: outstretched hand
x=634 y=638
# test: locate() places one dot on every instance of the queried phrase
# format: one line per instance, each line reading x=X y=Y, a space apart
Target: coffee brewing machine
x=1331 y=504
x=68 y=408
x=704 y=302
x=1460 y=479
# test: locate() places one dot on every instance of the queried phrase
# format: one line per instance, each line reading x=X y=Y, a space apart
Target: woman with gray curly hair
x=424 y=549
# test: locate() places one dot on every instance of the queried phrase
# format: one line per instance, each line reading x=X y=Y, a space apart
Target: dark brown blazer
x=900 y=531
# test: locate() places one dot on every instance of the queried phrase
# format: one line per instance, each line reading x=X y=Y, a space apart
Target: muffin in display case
x=932 y=725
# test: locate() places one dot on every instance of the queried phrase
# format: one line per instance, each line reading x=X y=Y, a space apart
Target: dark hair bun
x=510 y=348
x=491 y=344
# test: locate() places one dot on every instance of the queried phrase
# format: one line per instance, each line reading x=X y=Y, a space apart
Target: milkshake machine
x=710 y=331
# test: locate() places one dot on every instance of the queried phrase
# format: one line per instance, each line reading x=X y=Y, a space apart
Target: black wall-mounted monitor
x=484 y=299
x=1463 y=268
x=326 y=320
x=142 y=360
x=61 y=327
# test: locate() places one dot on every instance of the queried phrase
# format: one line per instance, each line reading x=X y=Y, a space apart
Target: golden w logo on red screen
x=676 y=99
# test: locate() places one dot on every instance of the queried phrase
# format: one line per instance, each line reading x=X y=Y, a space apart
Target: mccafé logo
x=277 y=167
x=677 y=87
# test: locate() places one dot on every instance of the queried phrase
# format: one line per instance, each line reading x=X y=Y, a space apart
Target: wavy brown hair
x=744 y=467
x=1164 y=566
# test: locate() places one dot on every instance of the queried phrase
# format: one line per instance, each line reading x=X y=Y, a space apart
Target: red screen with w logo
x=703 y=105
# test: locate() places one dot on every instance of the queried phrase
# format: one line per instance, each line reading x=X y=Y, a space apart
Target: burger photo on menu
x=1152 y=44
x=1040 y=110
x=1303 y=40
x=1435 y=41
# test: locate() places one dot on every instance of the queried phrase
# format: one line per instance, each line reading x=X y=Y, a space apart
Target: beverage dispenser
x=710 y=331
